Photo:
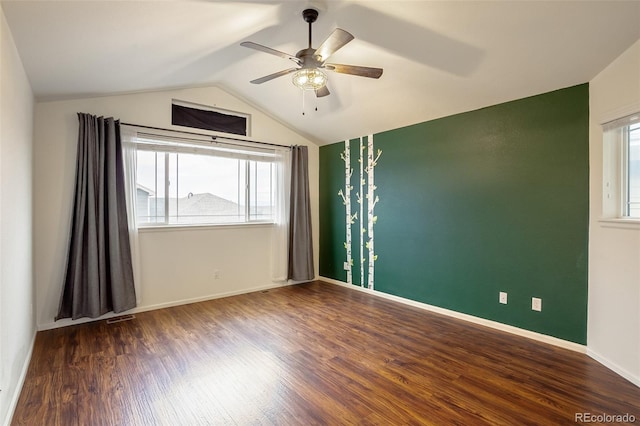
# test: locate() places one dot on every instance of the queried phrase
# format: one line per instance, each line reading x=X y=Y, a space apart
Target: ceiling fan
x=311 y=62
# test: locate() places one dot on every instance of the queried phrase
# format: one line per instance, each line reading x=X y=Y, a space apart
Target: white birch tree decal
x=361 y=203
x=372 y=200
x=366 y=231
x=346 y=200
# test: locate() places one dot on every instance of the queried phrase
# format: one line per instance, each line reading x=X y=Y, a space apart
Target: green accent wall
x=477 y=203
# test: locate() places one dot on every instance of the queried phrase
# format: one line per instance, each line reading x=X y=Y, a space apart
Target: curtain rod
x=213 y=137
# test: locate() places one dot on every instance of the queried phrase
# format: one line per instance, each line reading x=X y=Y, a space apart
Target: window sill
x=625 y=223
x=204 y=227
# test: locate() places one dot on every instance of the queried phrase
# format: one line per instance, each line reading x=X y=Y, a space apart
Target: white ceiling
x=439 y=58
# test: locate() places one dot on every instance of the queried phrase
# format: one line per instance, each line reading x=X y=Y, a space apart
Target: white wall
x=176 y=265
x=613 y=335
x=17 y=325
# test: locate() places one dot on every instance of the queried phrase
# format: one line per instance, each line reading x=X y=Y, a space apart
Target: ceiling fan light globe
x=309 y=79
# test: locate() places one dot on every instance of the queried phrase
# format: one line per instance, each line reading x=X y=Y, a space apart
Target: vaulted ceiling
x=439 y=57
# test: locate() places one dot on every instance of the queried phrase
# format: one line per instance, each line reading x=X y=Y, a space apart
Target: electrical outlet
x=503 y=297
x=536 y=304
x=216 y=274
x=346 y=266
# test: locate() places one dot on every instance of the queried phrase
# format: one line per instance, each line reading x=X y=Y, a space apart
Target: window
x=621 y=171
x=209 y=118
x=632 y=170
x=189 y=182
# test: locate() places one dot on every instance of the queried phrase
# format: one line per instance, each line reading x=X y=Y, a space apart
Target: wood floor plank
x=312 y=354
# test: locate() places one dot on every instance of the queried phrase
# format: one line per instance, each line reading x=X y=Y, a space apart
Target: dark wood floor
x=308 y=354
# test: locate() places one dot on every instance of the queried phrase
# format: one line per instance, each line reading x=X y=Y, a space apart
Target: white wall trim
x=470 y=318
x=624 y=223
x=68 y=322
x=18 y=389
x=614 y=367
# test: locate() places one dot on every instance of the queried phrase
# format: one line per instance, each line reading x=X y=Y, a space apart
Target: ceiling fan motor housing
x=308 y=58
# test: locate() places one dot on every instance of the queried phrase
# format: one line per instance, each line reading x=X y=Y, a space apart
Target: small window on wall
x=209 y=118
x=621 y=171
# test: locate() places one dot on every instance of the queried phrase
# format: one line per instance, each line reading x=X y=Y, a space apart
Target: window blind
x=621 y=122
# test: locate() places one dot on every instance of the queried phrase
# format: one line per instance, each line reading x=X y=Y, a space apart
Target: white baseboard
x=68 y=322
x=18 y=389
x=470 y=318
x=614 y=367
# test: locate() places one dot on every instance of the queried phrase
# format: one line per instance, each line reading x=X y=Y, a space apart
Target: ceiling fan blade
x=322 y=92
x=265 y=49
x=335 y=41
x=274 y=75
x=355 y=70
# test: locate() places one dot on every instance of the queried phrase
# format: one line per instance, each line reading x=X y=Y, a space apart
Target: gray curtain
x=99 y=276
x=300 y=242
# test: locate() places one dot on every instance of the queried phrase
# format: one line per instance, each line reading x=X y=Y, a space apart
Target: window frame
x=166 y=145
x=615 y=171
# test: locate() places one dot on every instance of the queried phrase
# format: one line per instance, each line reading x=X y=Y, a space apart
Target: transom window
x=188 y=182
